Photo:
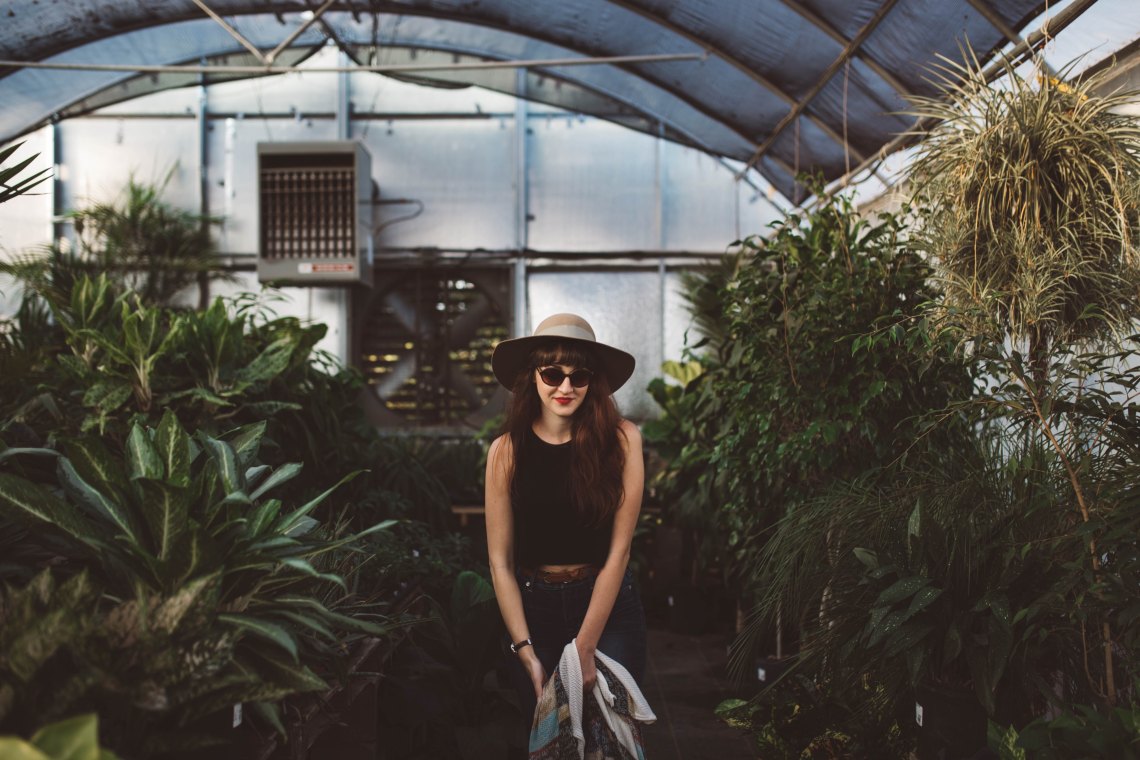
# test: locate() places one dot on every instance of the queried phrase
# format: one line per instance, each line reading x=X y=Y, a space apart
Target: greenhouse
x=495 y=379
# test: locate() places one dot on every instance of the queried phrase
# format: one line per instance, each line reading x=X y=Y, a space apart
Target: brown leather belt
x=561 y=576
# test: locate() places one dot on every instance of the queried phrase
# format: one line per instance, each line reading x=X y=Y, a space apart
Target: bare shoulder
x=632 y=435
x=500 y=450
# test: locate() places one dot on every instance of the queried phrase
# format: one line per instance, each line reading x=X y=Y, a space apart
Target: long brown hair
x=597 y=459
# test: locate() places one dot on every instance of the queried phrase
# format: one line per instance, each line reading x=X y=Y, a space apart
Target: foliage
x=930 y=575
x=1033 y=194
x=1082 y=734
x=440 y=697
x=147 y=245
x=682 y=438
x=12 y=184
x=798 y=719
x=195 y=589
x=821 y=379
x=72 y=739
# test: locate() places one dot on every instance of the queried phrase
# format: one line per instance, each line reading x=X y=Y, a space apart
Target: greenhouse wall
x=606 y=215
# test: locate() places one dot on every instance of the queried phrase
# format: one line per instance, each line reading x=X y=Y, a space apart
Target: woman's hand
x=534 y=669
x=589 y=669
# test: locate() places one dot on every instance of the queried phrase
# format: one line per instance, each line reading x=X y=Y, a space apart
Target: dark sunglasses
x=553 y=376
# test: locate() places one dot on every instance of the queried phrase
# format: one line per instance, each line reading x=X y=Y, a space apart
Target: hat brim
x=510 y=358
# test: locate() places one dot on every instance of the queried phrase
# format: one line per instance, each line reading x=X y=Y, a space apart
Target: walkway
x=684 y=683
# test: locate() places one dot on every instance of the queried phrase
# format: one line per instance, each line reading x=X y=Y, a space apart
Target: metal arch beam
x=824 y=78
x=1027 y=47
x=825 y=26
x=231 y=31
x=999 y=23
x=735 y=63
x=571 y=44
x=617 y=61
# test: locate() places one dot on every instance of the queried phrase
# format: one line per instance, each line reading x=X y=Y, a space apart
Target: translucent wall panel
x=375 y=93
x=232 y=147
x=461 y=171
x=301 y=93
x=624 y=308
x=592 y=187
x=101 y=155
x=699 y=200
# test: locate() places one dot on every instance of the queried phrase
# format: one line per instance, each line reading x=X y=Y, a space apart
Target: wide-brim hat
x=510 y=356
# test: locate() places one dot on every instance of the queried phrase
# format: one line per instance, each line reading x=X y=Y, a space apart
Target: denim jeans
x=554 y=613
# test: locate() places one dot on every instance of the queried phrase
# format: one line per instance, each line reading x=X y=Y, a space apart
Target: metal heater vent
x=315 y=213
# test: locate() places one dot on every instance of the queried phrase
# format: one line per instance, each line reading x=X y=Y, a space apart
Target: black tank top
x=548 y=530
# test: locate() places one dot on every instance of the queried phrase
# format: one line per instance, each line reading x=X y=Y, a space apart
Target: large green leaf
x=71 y=739
x=142 y=455
x=173 y=446
x=97 y=466
x=25 y=502
x=282 y=474
x=289 y=521
x=18 y=749
x=247 y=440
x=263 y=629
x=226 y=463
x=307 y=568
x=270 y=363
x=166 y=512
x=86 y=494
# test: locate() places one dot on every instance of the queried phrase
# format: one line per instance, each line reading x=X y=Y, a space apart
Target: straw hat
x=510 y=357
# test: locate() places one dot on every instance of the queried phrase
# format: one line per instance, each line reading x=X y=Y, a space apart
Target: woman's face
x=562 y=399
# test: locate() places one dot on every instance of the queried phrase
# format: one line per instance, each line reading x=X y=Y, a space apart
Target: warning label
x=326 y=267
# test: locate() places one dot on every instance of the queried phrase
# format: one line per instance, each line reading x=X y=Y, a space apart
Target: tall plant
x=147 y=245
x=1033 y=195
x=821 y=379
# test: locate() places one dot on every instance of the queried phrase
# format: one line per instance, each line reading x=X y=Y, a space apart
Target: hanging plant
x=1032 y=195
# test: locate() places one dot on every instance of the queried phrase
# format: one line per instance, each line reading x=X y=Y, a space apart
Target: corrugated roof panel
x=764 y=61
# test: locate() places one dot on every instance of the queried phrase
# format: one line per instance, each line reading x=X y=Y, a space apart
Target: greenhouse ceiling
x=779 y=86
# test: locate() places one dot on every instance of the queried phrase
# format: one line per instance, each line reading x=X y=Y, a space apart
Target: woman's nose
x=566 y=386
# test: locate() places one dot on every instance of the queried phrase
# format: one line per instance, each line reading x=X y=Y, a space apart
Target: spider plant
x=1032 y=195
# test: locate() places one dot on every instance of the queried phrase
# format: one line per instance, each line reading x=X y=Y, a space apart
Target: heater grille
x=315 y=213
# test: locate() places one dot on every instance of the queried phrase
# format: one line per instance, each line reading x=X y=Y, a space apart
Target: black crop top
x=548 y=530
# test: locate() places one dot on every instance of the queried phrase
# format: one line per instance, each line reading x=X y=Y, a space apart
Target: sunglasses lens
x=553 y=376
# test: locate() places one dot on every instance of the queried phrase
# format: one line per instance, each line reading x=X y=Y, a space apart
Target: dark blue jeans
x=554 y=613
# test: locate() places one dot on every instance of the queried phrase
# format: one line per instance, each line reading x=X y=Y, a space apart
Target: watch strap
x=517 y=645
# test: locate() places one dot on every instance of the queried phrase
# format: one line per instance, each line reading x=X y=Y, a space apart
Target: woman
x=564 y=486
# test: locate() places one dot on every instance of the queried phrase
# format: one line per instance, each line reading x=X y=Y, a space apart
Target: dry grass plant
x=1032 y=193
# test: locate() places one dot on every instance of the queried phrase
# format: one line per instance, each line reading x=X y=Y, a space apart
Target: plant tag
x=918 y=714
x=761 y=674
x=670 y=600
x=237 y=715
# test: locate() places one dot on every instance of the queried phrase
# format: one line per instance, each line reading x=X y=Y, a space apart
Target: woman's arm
x=501 y=553
x=608 y=583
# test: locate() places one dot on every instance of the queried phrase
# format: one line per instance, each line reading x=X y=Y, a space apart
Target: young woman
x=564 y=485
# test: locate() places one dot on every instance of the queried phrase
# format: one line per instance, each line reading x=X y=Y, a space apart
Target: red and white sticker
x=326 y=267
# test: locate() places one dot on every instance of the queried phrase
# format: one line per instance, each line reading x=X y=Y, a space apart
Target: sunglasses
x=553 y=376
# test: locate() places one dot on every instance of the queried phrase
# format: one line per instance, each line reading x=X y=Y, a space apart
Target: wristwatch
x=516 y=646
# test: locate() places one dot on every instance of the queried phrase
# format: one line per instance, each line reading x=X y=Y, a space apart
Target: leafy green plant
x=441 y=698
x=148 y=246
x=799 y=719
x=1082 y=734
x=12 y=184
x=213 y=592
x=821 y=379
x=72 y=739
